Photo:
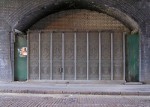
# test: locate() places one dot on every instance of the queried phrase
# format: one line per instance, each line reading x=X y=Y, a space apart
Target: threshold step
x=133 y=83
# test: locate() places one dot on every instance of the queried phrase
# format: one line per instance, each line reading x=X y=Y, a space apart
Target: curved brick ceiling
x=47 y=7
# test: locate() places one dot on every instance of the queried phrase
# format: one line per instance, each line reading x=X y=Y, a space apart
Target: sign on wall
x=22 y=52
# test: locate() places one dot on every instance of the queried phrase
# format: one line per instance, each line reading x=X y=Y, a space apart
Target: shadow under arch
x=34 y=15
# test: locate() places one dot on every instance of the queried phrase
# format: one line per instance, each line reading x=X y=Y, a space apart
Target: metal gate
x=76 y=55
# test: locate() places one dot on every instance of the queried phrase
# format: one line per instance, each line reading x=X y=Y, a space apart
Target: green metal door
x=132 y=53
x=20 y=69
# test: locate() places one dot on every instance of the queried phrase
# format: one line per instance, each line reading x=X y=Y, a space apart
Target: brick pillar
x=145 y=55
x=5 y=56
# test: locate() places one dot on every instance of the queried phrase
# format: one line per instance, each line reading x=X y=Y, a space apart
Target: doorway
x=132 y=60
x=20 y=68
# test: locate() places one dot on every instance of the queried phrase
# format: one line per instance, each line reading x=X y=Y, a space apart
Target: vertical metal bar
x=28 y=56
x=124 y=61
x=112 y=72
x=75 y=56
x=100 y=57
x=87 y=56
x=12 y=55
x=63 y=72
x=51 y=56
x=140 y=69
x=39 y=55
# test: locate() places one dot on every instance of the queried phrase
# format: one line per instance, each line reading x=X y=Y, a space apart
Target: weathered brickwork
x=22 y=14
x=5 y=62
x=79 y=20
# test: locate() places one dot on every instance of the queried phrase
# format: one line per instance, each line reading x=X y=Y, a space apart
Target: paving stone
x=68 y=100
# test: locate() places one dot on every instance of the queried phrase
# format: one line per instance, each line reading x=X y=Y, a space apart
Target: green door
x=132 y=54
x=20 y=69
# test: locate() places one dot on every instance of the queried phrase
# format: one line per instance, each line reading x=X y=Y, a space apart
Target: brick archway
x=37 y=12
x=33 y=15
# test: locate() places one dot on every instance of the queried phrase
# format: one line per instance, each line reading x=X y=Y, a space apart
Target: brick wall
x=22 y=14
x=5 y=62
x=79 y=20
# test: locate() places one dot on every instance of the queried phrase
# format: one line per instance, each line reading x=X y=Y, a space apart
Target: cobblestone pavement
x=68 y=100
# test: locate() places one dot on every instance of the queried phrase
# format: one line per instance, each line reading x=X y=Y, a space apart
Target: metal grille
x=106 y=55
x=45 y=56
x=76 y=56
x=33 y=56
x=81 y=56
x=57 y=56
x=118 y=56
x=69 y=53
x=93 y=56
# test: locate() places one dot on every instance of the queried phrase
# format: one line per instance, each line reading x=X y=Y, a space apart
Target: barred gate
x=76 y=55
